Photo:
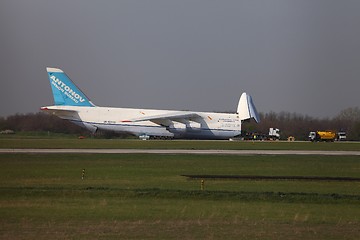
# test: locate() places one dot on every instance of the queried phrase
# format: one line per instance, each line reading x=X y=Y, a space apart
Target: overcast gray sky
x=297 y=56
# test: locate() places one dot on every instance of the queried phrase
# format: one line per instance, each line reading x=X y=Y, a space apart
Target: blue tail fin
x=65 y=92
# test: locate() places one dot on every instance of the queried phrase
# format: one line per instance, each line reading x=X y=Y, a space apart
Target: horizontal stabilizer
x=62 y=113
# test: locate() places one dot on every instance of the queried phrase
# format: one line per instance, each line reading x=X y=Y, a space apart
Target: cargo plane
x=72 y=104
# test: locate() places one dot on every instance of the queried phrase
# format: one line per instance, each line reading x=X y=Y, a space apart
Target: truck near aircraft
x=274 y=134
x=328 y=136
x=341 y=136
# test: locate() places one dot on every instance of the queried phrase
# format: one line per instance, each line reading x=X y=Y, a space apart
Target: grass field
x=144 y=196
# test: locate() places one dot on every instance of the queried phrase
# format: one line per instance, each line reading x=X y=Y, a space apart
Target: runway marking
x=184 y=151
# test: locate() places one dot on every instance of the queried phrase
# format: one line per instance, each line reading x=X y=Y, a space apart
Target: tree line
x=290 y=124
x=299 y=126
x=34 y=122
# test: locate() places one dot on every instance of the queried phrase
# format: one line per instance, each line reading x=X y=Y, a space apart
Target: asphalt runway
x=184 y=151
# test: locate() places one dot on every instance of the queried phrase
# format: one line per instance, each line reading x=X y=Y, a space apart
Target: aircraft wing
x=62 y=113
x=166 y=119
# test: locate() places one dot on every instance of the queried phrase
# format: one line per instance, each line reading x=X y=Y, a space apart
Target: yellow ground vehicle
x=328 y=136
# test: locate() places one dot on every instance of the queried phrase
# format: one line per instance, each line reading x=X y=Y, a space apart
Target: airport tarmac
x=184 y=151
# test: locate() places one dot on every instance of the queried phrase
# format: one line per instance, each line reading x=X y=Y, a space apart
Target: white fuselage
x=207 y=125
x=72 y=104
